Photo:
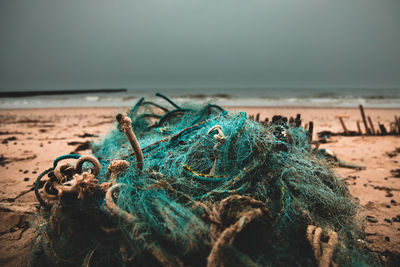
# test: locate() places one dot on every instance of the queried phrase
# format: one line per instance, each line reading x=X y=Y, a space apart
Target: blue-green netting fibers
x=216 y=189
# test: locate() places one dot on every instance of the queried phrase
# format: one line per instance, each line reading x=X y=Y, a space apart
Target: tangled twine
x=205 y=189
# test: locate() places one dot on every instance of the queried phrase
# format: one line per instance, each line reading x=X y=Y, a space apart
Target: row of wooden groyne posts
x=366 y=123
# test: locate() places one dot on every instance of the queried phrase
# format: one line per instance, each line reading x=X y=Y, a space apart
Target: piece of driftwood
x=331 y=156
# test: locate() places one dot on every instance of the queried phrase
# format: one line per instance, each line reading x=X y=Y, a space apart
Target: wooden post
x=372 y=125
x=276 y=118
x=297 y=121
x=383 y=129
x=310 y=129
x=340 y=117
x=393 y=127
x=359 y=128
x=397 y=123
x=364 y=120
x=258 y=117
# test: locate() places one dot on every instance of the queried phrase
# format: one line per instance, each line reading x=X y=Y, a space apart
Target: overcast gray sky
x=50 y=44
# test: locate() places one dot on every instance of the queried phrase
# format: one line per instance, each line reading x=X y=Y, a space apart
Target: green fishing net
x=216 y=189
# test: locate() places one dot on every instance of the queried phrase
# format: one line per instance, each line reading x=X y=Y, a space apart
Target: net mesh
x=216 y=189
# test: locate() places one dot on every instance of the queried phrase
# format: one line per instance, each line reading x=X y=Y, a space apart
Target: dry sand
x=32 y=138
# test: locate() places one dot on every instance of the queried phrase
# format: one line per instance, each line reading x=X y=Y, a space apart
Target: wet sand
x=32 y=138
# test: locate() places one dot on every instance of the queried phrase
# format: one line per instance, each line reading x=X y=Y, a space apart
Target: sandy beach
x=32 y=138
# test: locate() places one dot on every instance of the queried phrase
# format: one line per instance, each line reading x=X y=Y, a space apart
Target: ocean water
x=382 y=98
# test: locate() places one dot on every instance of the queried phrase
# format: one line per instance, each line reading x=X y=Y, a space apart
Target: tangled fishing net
x=197 y=186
